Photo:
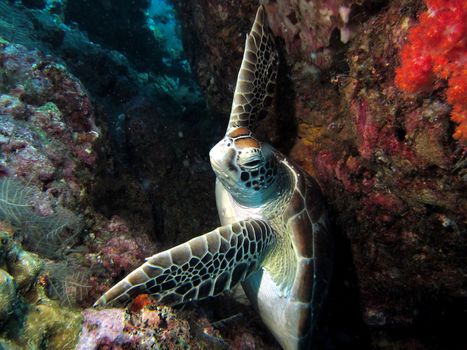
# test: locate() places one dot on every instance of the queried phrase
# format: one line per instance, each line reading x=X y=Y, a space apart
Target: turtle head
x=247 y=168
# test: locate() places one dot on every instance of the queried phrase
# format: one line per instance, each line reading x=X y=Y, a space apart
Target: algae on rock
x=7 y=296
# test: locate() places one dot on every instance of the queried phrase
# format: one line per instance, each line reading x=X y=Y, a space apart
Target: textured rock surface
x=22 y=265
x=7 y=296
x=28 y=318
x=142 y=112
x=48 y=127
x=393 y=175
x=145 y=325
x=49 y=323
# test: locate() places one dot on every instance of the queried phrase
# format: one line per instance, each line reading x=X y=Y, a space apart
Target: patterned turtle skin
x=274 y=237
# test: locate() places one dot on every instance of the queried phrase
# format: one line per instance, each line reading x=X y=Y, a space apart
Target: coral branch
x=437 y=49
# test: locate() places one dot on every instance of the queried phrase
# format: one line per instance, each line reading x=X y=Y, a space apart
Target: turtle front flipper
x=202 y=267
x=257 y=76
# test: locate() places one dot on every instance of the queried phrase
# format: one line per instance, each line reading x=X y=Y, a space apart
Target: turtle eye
x=252 y=163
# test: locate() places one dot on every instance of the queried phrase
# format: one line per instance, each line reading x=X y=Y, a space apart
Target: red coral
x=140 y=302
x=437 y=48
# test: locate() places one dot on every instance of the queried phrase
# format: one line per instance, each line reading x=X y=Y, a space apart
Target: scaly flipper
x=257 y=76
x=204 y=266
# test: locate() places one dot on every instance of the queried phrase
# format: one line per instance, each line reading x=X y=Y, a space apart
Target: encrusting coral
x=28 y=317
x=437 y=49
x=7 y=296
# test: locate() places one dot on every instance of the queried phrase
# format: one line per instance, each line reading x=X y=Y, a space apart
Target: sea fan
x=49 y=235
x=15 y=204
x=68 y=282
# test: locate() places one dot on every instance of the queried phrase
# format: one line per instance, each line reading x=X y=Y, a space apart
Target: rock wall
x=392 y=173
x=153 y=115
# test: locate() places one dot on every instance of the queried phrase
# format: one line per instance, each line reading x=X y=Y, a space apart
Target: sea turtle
x=274 y=238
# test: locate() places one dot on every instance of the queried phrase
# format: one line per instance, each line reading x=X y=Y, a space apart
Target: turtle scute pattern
x=257 y=76
x=307 y=208
x=204 y=266
x=306 y=221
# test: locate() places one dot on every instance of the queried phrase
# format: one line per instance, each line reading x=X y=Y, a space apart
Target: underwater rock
x=102 y=328
x=121 y=254
x=212 y=28
x=48 y=138
x=49 y=323
x=7 y=296
x=34 y=318
x=25 y=267
x=112 y=249
x=22 y=265
x=9 y=345
x=149 y=118
x=60 y=128
x=145 y=329
x=146 y=325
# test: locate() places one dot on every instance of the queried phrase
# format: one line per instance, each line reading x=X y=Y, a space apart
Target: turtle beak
x=222 y=158
x=217 y=154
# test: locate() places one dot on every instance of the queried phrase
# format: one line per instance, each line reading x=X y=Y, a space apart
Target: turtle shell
x=306 y=220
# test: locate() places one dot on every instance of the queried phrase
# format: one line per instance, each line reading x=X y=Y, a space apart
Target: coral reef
x=48 y=124
x=393 y=175
x=49 y=234
x=390 y=169
x=7 y=296
x=146 y=329
x=55 y=161
x=437 y=48
x=48 y=323
x=145 y=325
x=22 y=265
x=47 y=137
x=28 y=318
x=142 y=112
